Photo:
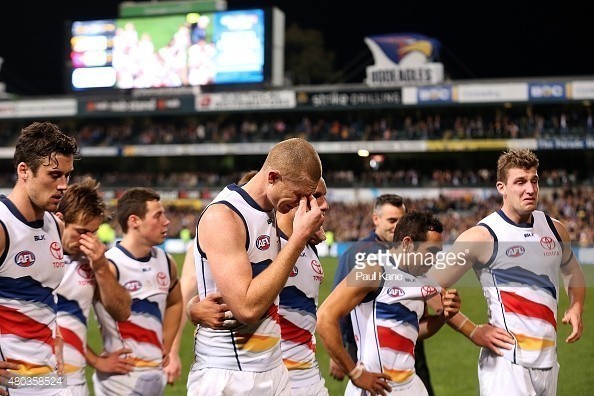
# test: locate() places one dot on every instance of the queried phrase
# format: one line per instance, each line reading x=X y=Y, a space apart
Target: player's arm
x=173 y=310
x=473 y=246
x=343 y=299
x=110 y=363
x=575 y=285
x=187 y=283
x=114 y=297
x=249 y=298
x=446 y=305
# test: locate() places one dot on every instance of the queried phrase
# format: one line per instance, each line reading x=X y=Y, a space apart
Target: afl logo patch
x=395 y=292
x=56 y=251
x=515 y=251
x=294 y=272
x=133 y=285
x=263 y=242
x=24 y=259
x=162 y=279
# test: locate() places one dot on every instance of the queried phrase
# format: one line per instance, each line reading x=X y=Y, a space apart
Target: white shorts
x=414 y=387
x=136 y=383
x=79 y=390
x=500 y=377
x=221 y=382
x=317 y=389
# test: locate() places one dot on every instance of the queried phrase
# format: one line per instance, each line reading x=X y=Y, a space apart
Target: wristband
x=467 y=328
x=459 y=328
x=473 y=331
x=356 y=372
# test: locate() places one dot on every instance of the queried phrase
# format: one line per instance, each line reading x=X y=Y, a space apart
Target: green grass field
x=452 y=359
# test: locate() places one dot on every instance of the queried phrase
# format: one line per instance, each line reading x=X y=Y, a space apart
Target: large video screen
x=226 y=47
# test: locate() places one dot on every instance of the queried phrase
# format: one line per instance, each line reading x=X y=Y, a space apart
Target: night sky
x=479 y=39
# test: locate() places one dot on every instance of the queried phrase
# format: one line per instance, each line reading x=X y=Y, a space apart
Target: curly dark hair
x=40 y=142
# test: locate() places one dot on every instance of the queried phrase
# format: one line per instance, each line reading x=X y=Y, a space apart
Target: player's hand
x=94 y=249
x=574 y=318
x=5 y=375
x=318 y=237
x=491 y=337
x=308 y=218
x=450 y=299
x=173 y=369
x=114 y=362
x=335 y=371
x=210 y=312
x=374 y=383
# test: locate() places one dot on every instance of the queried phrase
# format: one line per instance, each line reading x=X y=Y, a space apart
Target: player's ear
x=60 y=215
x=500 y=187
x=274 y=176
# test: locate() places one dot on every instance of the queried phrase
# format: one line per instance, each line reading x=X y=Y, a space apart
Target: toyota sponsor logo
x=547 y=243
x=85 y=271
x=56 y=250
x=315 y=265
x=162 y=279
x=428 y=291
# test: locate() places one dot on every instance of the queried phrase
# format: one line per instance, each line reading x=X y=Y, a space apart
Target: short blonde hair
x=295 y=158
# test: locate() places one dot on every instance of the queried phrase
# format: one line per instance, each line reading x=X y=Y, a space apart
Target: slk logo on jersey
x=24 y=259
x=56 y=251
x=39 y=238
x=395 y=292
x=263 y=242
x=133 y=285
x=547 y=243
x=294 y=272
x=317 y=267
x=162 y=279
x=86 y=271
x=515 y=251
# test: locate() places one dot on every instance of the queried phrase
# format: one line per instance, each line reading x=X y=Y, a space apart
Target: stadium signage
x=565 y=144
x=546 y=92
x=132 y=105
x=434 y=95
x=253 y=100
x=403 y=59
x=349 y=99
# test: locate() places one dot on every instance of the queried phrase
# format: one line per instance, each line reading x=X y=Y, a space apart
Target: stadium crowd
x=370 y=126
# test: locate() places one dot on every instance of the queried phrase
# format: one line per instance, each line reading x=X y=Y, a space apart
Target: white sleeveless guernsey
x=147 y=280
x=75 y=298
x=521 y=285
x=31 y=268
x=256 y=347
x=297 y=312
x=386 y=327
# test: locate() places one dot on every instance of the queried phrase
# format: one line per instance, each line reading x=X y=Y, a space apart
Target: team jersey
x=521 y=285
x=31 y=268
x=386 y=327
x=297 y=313
x=246 y=347
x=75 y=298
x=147 y=279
